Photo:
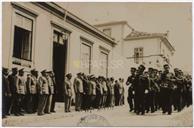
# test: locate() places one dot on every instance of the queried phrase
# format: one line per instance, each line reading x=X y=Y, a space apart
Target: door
x=59 y=63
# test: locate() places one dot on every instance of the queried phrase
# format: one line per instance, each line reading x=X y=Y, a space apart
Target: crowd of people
x=148 y=91
x=153 y=90
x=33 y=93
x=93 y=92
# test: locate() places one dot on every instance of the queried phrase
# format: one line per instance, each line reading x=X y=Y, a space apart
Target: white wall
x=43 y=41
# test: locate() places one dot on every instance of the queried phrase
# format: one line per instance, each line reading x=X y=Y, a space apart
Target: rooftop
x=135 y=35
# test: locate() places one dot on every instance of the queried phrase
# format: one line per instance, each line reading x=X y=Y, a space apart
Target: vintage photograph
x=80 y=64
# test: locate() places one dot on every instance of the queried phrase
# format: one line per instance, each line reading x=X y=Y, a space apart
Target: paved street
x=119 y=116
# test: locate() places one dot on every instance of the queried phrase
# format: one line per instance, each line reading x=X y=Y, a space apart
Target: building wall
x=43 y=41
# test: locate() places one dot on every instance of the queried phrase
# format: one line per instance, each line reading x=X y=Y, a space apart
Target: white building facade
x=135 y=48
x=46 y=36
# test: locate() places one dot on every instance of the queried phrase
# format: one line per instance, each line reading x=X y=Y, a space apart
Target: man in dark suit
x=13 y=80
x=166 y=90
x=130 y=83
x=141 y=88
x=6 y=93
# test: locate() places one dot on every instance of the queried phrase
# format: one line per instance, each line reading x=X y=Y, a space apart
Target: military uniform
x=50 y=95
x=130 y=83
x=21 y=90
x=31 y=86
x=13 y=80
x=166 y=92
x=78 y=88
x=141 y=89
x=6 y=93
x=43 y=93
x=67 y=94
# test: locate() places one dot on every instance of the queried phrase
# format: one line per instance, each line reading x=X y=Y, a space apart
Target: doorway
x=59 y=63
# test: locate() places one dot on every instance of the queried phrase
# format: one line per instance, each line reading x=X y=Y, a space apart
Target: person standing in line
x=67 y=92
x=51 y=92
x=21 y=89
x=120 y=87
x=141 y=89
x=108 y=83
x=13 y=80
x=130 y=83
x=166 y=90
x=43 y=93
x=78 y=88
x=112 y=94
x=55 y=92
x=31 y=87
x=6 y=93
x=105 y=91
x=93 y=94
x=99 y=93
x=116 y=89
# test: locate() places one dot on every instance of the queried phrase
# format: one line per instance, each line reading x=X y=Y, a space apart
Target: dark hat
x=21 y=70
x=142 y=66
x=165 y=65
x=133 y=68
x=79 y=73
x=43 y=71
x=33 y=70
x=15 y=69
x=5 y=70
x=176 y=69
x=68 y=75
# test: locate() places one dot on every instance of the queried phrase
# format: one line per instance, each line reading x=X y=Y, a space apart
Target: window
x=86 y=58
x=23 y=28
x=107 y=31
x=104 y=64
x=138 y=55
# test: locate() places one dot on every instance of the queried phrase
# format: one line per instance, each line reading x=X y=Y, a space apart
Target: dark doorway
x=59 y=63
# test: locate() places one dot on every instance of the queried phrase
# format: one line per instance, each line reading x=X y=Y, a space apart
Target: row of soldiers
x=29 y=94
x=37 y=93
x=153 y=90
x=93 y=92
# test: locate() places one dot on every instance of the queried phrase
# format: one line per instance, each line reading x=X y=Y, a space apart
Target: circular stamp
x=93 y=120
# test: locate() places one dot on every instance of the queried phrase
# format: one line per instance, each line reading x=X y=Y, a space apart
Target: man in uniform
x=55 y=92
x=51 y=92
x=130 y=83
x=78 y=88
x=13 y=80
x=141 y=89
x=166 y=90
x=178 y=90
x=6 y=93
x=21 y=89
x=67 y=92
x=32 y=95
x=43 y=93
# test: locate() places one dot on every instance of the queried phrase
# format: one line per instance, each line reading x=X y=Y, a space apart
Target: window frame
x=105 y=51
x=26 y=14
x=88 y=43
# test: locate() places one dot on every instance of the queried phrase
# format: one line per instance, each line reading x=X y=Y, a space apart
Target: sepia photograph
x=96 y=64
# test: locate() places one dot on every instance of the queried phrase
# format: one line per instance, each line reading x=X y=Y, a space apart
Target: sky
x=147 y=17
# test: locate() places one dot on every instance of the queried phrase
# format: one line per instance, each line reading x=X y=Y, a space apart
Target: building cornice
x=75 y=21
